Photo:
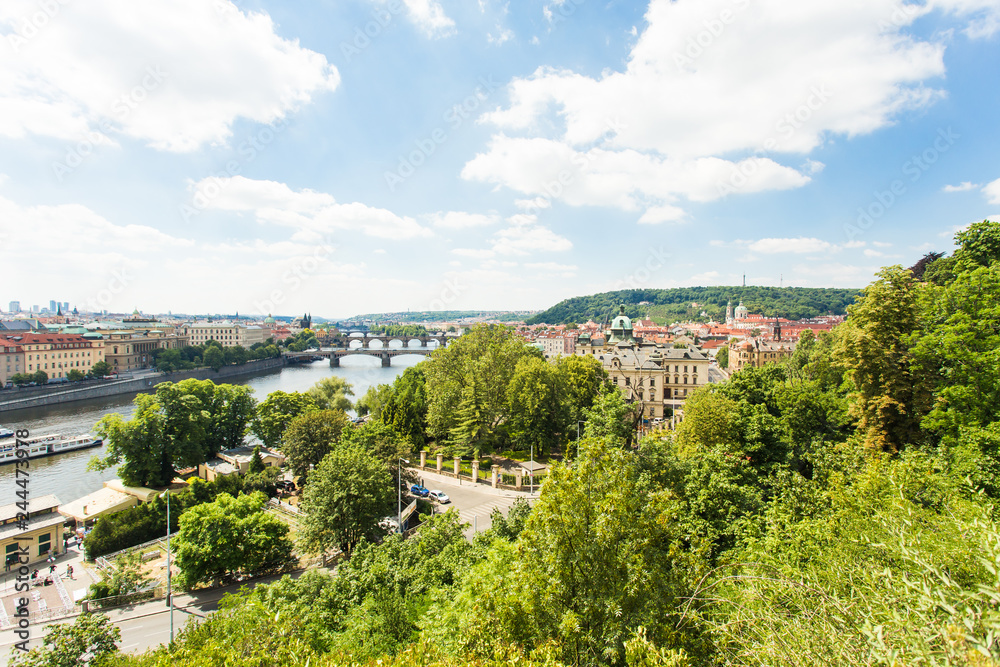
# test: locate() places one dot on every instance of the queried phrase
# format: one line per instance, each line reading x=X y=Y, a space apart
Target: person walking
x=69 y=571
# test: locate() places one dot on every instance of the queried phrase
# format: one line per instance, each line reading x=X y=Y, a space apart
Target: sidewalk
x=64 y=593
x=433 y=479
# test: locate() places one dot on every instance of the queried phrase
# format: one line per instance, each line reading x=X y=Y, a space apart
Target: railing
x=106 y=561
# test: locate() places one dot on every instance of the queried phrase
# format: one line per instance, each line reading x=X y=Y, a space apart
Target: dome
x=621 y=327
x=269 y=319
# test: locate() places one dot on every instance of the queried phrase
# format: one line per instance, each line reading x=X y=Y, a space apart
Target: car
x=419 y=491
x=439 y=496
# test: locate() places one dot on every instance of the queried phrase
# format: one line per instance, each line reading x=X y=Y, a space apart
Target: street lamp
x=170 y=591
x=399 y=499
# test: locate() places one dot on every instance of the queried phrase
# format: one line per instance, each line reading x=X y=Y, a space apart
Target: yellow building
x=57 y=353
x=11 y=360
x=756 y=352
x=657 y=377
x=35 y=534
x=227 y=334
x=129 y=350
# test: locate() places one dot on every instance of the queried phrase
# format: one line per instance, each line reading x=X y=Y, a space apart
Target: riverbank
x=59 y=395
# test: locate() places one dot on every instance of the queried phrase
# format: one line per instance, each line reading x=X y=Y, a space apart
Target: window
x=44 y=543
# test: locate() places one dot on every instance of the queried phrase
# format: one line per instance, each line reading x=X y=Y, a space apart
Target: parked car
x=439 y=496
x=419 y=491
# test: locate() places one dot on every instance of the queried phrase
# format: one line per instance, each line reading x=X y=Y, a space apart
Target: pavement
x=64 y=592
x=474 y=502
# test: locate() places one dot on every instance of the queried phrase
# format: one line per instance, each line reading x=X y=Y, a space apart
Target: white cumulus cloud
x=992 y=191
x=175 y=74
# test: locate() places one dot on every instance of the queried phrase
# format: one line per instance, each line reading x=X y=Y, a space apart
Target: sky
x=356 y=156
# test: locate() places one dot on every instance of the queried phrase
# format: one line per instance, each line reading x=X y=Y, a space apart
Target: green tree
x=126 y=578
x=374 y=400
x=346 y=496
x=582 y=378
x=331 y=393
x=221 y=540
x=537 y=403
x=481 y=362
x=73 y=375
x=214 y=358
x=722 y=356
x=40 y=377
x=405 y=408
x=88 y=642
x=611 y=417
x=890 y=396
x=310 y=437
x=256 y=463
x=100 y=369
x=276 y=412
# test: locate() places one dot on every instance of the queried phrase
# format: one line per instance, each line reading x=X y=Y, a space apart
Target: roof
x=34 y=523
x=35 y=338
x=99 y=503
x=143 y=493
x=220 y=467
x=38 y=504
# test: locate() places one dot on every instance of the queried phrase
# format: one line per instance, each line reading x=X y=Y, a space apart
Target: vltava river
x=66 y=475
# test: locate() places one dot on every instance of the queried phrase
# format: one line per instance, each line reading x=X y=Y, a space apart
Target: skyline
x=373 y=156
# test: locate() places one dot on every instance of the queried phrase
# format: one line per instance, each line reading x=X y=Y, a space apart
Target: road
x=148 y=625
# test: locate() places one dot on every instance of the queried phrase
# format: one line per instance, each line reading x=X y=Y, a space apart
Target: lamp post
x=399 y=499
x=170 y=591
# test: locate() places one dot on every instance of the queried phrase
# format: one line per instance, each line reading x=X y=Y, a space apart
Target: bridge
x=406 y=342
x=384 y=353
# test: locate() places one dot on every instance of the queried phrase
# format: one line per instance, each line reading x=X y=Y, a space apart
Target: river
x=66 y=475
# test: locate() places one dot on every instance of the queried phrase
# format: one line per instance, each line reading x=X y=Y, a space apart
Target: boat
x=46 y=445
x=5 y=432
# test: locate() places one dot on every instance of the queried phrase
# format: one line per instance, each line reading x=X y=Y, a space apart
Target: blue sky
x=370 y=155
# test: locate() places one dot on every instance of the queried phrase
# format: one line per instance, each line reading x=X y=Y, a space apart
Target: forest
x=835 y=509
x=666 y=306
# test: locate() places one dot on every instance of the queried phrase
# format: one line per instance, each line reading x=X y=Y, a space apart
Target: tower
x=777 y=328
x=729 y=312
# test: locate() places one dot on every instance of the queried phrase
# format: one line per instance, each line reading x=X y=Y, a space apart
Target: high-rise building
x=36 y=309
x=65 y=307
x=52 y=306
x=15 y=307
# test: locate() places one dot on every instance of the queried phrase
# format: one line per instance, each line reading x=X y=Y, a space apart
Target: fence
x=107 y=561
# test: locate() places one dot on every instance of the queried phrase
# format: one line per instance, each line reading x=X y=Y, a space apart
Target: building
x=657 y=377
x=14 y=308
x=226 y=333
x=236 y=461
x=11 y=360
x=557 y=346
x=57 y=353
x=127 y=350
x=759 y=352
x=39 y=530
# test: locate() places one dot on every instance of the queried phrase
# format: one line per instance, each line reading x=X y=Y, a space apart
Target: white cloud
x=881 y=244
x=475 y=253
x=306 y=210
x=675 y=120
x=526 y=240
x=526 y=204
x=430 y=17
x=502 y=35
x=992 y=192
x=873 y=253
x=462 y=220
x=115 y=68
x=796 y=245
x=964 y=186
x=658 y=214
x=553 y=269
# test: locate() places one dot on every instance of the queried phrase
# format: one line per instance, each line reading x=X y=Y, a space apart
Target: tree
x=256 y=463
x=40 y=377
x=374 y=400
x=88 y=642
x=347 y=494
x=473 y=371
x=405 y=408
x=310 y=437
x=214 y=358
x=276 y=412
x=890 y=396
x=73 y=375
x=537 y=403
x=331 y=393
x=722 y=356
x=582 y=378
x=126 y=578
x=100 y=369
x=182 y=425
x=612 y=418
x=230 y=537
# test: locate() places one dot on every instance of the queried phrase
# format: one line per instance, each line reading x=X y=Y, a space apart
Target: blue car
x=419 y=491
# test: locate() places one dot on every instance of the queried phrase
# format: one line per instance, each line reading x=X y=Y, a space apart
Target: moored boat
x=46 y=445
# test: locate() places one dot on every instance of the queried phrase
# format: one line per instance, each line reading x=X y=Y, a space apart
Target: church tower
x=729 y=312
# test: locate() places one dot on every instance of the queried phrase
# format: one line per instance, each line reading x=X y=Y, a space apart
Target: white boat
x=5 y=432
x=46 y=445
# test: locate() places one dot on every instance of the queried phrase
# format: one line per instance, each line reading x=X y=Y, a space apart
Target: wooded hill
x=669 y=305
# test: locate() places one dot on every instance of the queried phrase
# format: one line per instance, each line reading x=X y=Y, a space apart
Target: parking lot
x=473 y=502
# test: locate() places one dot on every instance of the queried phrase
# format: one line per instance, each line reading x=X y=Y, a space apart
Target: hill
x=669 y=305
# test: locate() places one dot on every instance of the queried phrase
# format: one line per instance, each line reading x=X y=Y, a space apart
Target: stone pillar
x=519 y=477
x=475 y=471
x=458 y=465
x=386 y=360
x=495 y=481
x=440 y=461
x=334 y=361
x=423 y=459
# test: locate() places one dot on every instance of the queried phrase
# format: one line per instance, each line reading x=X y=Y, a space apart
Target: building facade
x=133 y=350
x=11 y=360
x=39 y=531
x=227 y=334
x=756 y=352
x=57 y=354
